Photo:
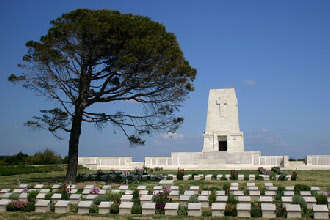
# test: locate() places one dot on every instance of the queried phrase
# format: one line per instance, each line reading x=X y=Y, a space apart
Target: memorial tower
x=222 y=131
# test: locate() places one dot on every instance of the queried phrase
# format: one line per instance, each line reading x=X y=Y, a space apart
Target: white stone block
x=126 y=198
x=6 y=195
x=42 y=206
x=268 y=185
x=143 y=192
x=221 y=199
x=17 y=191
x=22 y=186
x=189 y=193
x=75 y=198
x=123 y=188
x=56 y=197
x=40 y=196
x=289 y=188
x=171 y=208
x=128 y=192
x=142 y=187
x=252 y=177
x=88 y=186
x=62 y=206
x=240 y=177
x=125 y=207
x=158 y=188
x=39 y=186
x=186 y=177
x=174 y=195
x=320 y=212
x=255 y=195
x=250 y=184
x=268 y=210
x=288 y=193
x=287 y=199
x=310 y=201
x=183 y=200
x=220 y=193
x=237 y=193
x=146 y=199
x=3 y=204
x=244 y=199
x=266 y=199
x=244 y=210
x=166 y=182
x=194 y=209
x=204 y=200
x=23 y=197
x=205 y=193
x=104 y=207
x=91 y=197
x=175 y=188
x=195 y=189
x=44 y=191
x=84 y=206
x=305 y=193
x=253 y=188
x=149 y=208
x=218 y=209
x=293 y=210
x=208 y=177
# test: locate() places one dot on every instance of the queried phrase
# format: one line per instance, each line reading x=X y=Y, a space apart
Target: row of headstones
x=194 y=209
x=251 y=177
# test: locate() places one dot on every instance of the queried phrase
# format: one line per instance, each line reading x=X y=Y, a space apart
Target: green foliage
x=17 y=159
x=45 y=157
x=114 y=209
x=280 y=210
x=115 y=197
x=32 y=195
x=169 y=178
x=256 y=210
x=280 y=193
x=74 y=208
x=230 y=210
x=25 y=169
x=299 y=200
x=231 y=200
x=212 y=197
x=193 y=199
x=206 y=213
x=48 y=196
x=233 y=175
x=14 y=196
x=136 y=194
x=98 y=199
x=65 y=160
x=226 y=188
x=183 y=210
x=223 y=177
x=94 y=209
x=31 y=207
x=301 y=187
x=321 y=199
x=136 y=209
x=258 y=177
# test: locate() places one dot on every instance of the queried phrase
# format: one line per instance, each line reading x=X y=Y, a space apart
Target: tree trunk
x=73 y=147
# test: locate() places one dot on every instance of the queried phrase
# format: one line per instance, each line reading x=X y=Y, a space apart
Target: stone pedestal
x=42 y=206
x=195 y=189
x=174 y=195
x=244 y=210
x=125 y=207
x=145 y=199
x=208 y=177
x=123 y=188
x=166 y=182
x=62 y=206
x=288 y=193
x=220 y=193
x=171 y=208
x=240 y=177
x=320 y=212
x=22 y=186
x=45 y=191
x=286 y=200
x=221 y=199
x=84 y=206
x=310 y=201
x=75 y=198
x=194 y=209
x=91 y=197
x=23 y=197
x=3 y=204
x=205 y=193
x=143 y=192
x=252 y=177
x=85 y=193
x=189 y=193
x=255 y=195
x=266 y=199
x=104 y=207
x=40 y=196
x=39 y=186
x=204 y=201
x=237 y=194
x=244 y=199
x=218 y=209
x=183 y=200
x=268 y=210
x=149 y=208
x=293 y=210
x=128 y=192
x=141 y=187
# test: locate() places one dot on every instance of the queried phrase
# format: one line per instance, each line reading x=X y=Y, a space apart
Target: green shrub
x=114 y=209
x=212 y=197
x=258 y=177
x=321 y=199
x=193 y=199
x=299 y=200
x=282 y=177
x=223 y=177
x=31 y=207
x=180 y=174
x=74 y=208
x=94 y=209
x=170 y=178
x=280 y=210
x=230 y=210
x=183 y=210
x=206 y=213
x=136 y=209
x=14 y=196
x=48 y=196
x=136 y=194
x=115 y=197
x=226 y=188
x=98 y=199
x=301 y=187
x=231 y=200
x=280 y=193
x=256 y=210
x=32 y=195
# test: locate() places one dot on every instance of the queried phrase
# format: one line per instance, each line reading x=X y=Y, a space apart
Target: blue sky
x=274 y=53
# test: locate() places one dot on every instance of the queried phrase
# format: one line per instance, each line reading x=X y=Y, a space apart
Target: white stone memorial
x=125 y=207
x=149 y=208
x=320 y=212
x=104 y=207
x=293 y=210
x=3 y=204
x=84 y=206
x=268 y=210
x=244 y=210
x=218 y=209
x=194 y=209
x=62 y=206
x=171 y=208
x=42 y=206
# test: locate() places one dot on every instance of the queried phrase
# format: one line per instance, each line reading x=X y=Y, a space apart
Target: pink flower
x=95 y=190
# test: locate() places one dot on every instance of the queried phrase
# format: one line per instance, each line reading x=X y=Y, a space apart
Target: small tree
x=103 y=56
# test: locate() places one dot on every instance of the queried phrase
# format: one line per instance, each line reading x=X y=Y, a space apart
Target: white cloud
x=264 y=139
x=250 y=82
x=264 y=130
x=175 y=136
